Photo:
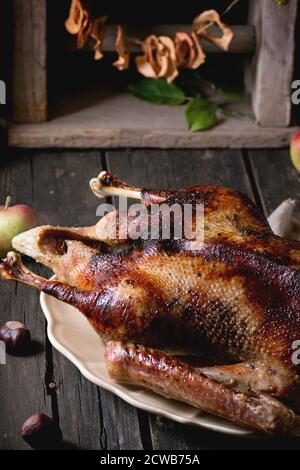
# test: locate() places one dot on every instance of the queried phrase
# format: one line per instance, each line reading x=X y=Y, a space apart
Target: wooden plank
x=5 y=56
x=110 y=119
x=276 y=178
x=270 y=73
x=3 y=134
x=22 y=386
x=29 y=65
x=175 y=169
x=243 y=41
x=90 y=418
x=50 y=195
x=169 y=436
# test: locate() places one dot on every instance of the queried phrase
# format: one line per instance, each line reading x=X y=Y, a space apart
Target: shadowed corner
x=66 y=445
x=54 y=445
x=35 y=348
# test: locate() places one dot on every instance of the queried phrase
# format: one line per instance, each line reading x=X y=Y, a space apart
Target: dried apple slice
x=206 y=19
x=159 y=59
x=122 y=49
x=188 y=49
x=97 y=33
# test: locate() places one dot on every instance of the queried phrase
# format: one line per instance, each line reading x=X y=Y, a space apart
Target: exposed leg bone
x=166 y=376
x=106 y=185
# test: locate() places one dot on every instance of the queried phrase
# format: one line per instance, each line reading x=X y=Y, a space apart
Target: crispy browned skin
x=234 y=298
x=169 y=377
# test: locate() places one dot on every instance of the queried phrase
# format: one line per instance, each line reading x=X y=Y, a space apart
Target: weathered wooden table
x=55 y=184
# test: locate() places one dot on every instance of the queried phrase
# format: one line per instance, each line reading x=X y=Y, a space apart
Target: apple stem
x=7 y=202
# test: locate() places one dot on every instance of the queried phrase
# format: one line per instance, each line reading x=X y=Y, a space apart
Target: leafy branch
x=203 y=110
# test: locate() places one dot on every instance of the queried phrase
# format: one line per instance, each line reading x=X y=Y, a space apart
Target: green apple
x=14 y=220
x=295 y=150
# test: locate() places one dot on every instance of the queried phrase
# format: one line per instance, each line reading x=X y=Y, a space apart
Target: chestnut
x=16 y=337
x=41 y=432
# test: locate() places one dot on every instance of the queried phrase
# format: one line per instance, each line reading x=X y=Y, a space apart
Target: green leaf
x=233 y=96
x=200 y=114
x=158 y=91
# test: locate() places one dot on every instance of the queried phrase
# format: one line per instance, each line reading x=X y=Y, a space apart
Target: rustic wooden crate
x=269 y=74
x=119 y=120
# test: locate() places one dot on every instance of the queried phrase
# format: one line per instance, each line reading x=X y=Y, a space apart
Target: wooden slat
x=22 y=386
x=175 y=169
x=108 y=119
x=3 y=135
x=4 y=21
x=5 y=57
x=29 y=65
x=55 y=185
x=270 y=73
x=276 y=178
x=243 y=41
x=178 y=168
x=171 y=436
x=90 y=417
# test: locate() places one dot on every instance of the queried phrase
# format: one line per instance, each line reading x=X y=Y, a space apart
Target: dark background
x=78 y=69
x=90 y=417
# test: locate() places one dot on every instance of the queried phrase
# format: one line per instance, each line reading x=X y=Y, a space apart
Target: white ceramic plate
x=71 y=334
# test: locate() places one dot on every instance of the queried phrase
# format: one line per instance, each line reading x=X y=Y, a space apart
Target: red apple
x=14 y=220
x=295 y=150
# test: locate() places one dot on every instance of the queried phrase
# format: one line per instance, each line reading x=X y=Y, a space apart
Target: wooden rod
x=243 y=41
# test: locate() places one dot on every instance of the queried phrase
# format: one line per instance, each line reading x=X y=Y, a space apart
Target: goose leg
x=168 y=377
x=13 y=269
x=257 y=376
x=106 y=185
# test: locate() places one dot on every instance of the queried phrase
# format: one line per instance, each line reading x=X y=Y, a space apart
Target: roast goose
x=231 y=298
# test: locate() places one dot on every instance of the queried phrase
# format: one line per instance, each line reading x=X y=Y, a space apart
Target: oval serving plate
x=70 y=333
